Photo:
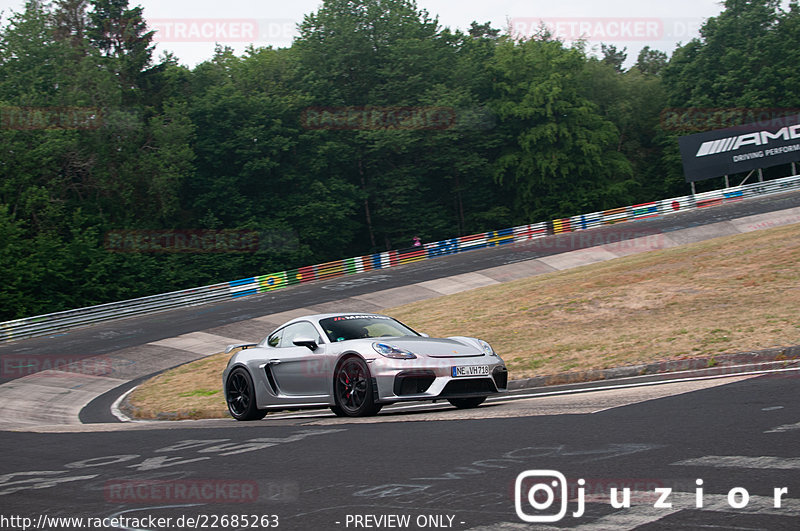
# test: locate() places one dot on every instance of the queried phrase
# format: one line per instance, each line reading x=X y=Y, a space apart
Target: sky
x=190 y=28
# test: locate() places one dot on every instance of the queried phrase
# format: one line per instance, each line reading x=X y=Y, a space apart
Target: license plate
x=470 y=370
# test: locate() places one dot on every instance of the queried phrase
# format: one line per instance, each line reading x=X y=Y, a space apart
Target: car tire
x=467 y=403
x=241 y=396
x=353 y=389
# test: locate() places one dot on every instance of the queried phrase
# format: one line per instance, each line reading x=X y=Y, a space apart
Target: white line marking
x=728 y=371
x=117 y=412
x=785 y=428
x=506 y=397
x=660 y=382
x=743 y=461
x=511 y=397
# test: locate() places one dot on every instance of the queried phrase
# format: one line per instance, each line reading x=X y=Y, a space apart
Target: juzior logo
x=712 y=147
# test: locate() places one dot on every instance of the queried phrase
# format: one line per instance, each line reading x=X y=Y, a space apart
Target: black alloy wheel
x=241 y=396
x=353 y=390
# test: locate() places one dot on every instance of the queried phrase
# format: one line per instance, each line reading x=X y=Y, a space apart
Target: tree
x=485 y=30
x=613 y=57
x=354 y=48
x=121 y=35
x=373 y=56
x=70 y=22
x=516 y=131
x=651 y=62
x=734 y=62
x=743 y=63
x=30 y=58
x=560 y=157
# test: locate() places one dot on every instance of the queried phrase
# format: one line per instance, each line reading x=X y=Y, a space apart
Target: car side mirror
x=305 y=342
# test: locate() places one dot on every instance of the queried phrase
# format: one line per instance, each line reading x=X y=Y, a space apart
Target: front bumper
x=400 y=380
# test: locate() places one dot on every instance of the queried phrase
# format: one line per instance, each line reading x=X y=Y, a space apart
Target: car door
x=299 y=371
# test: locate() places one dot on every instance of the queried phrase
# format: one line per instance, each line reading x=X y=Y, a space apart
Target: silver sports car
x=355 y=364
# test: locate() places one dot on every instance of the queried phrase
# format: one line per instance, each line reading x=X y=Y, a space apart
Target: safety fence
x=65 y=320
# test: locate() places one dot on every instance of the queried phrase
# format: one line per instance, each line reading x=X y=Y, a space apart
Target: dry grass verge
x=191 y=391
x=736 y=293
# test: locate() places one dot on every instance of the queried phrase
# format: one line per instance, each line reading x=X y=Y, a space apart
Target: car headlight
x=391 y=351
x=487 y=348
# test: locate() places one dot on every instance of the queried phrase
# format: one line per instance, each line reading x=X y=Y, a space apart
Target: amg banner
x=740 y=149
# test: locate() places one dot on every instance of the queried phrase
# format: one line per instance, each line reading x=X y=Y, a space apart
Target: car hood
x=436 y=347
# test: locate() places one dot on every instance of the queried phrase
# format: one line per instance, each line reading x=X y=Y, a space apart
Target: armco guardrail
x=56 y=322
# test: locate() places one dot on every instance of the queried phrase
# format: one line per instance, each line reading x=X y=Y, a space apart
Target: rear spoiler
x=242 y=346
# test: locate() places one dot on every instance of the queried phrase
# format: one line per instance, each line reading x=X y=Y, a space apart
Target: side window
x=301 y=329
x=275 y=338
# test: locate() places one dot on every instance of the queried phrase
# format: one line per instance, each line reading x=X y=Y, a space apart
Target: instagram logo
x=537 y=491
x=542 y=495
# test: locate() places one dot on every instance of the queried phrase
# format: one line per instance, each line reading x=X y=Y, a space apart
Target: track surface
x=324 y=473
x=433 y=465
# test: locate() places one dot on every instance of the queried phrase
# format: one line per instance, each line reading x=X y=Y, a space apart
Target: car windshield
x=346 y=327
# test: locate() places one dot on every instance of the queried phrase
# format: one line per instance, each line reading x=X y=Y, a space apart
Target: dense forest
x=375 y=126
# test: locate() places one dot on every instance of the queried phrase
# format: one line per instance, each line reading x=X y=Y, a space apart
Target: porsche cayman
x=355 y=364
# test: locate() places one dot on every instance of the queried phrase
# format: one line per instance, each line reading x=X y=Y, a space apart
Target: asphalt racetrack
x=424 y=469
x=719 y=452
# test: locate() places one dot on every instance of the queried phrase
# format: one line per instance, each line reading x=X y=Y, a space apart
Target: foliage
x=474 y=131
x=560 y=155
